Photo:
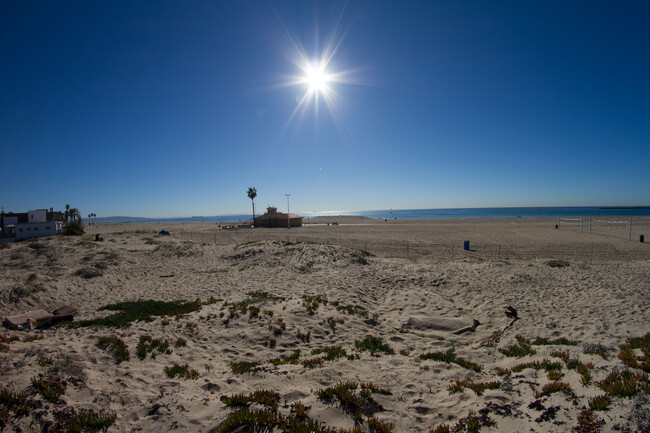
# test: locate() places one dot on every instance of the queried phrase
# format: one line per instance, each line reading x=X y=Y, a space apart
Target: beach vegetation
x=596 y=349
x=116 y=346
x=359 y=257
x=17 y=402
x=148 y=345
x=558 y=263
x=312 y=303
x=332 y=353
x=287 y=359
x=254 y=420
x=600 y=402
x=84 y=420
x=272 y=343
x=49 y=388
x=520 y=349
x=442 y=428
x=32 y=338
x=450 y=357
x=375 y=425
x=241 y=367
x=89 y=273
x=181 y=342
x=478 y=387
x=472 y=423
x=587 y=423
x=555 y=375
x=139 y=311
x=356 y=403
x=332 y=322
x=278 y=327
x=300 y=410
x=374 y=345
x=267 y=398
x=353 y=309
x=627 y=352
x=252 y=193
x=304 y=337
x=552 y=387
x=545 y=364
x=182 y=371
x=625 y=383
x=313 y=362
x=542 y=341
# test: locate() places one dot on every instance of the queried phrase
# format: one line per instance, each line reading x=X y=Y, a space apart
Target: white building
x=33 y=224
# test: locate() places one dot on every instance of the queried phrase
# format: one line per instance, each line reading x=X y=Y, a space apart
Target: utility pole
x=288 y=215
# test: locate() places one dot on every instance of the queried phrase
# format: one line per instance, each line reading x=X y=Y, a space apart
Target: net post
x=581 y=221
x=589 y=225
x=629 y=233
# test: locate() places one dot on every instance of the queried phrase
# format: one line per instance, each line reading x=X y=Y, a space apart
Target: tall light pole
x=288 y=215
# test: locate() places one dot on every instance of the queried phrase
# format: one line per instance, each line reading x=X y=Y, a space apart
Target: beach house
x=32 y=224
x=273 y=218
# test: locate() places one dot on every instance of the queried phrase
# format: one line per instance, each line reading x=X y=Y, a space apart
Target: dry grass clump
x=182 y=371
x=520 y=349
x=374 y=345
x=450 y=358
x=116 y=346
x=545 y=364
x=555 y=375
x=478 y=387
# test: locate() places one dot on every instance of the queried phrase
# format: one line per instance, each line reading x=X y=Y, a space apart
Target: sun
x=316 y=78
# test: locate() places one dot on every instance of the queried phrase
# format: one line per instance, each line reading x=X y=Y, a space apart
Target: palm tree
x=67 y=212
x=252 y=193
x=74 y=214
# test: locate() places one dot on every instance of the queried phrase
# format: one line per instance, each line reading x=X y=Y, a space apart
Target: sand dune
x=415 y=306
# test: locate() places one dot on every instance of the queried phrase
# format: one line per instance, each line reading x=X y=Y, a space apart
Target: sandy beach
x=394 y=314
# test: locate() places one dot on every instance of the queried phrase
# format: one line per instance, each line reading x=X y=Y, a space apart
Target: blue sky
x=167 y=108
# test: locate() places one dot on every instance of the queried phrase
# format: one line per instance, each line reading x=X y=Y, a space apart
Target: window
x=35 y=228
x=47 y=228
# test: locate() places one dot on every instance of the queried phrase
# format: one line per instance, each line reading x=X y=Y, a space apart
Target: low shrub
x=450 y=358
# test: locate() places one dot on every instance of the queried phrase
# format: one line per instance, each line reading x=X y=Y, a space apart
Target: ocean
x=496 y=212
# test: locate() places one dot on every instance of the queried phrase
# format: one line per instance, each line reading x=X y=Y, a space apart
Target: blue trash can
x=466 y=245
